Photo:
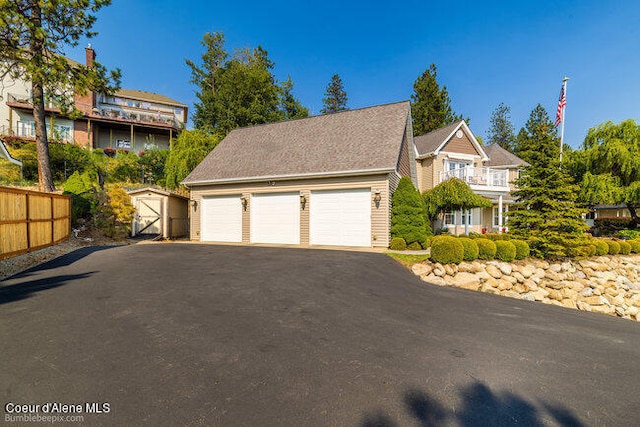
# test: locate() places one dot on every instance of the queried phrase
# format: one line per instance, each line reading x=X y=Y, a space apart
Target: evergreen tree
x=32 y=35
x=545 y=213
x=335 y=98
x=289 y=105
x=407 y=214
x=501 y=130
x=240 y=90
x=430 y=104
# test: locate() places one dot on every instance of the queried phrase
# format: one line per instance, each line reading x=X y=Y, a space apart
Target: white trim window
x=460 y=218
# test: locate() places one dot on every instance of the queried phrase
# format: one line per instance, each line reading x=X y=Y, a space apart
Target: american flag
x=561 y=104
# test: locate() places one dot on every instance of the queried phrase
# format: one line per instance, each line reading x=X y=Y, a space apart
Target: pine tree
x=32 y=36
x=545 y=213
x=335 y=98
x=501 y=130
x=430 y=104
x=239 y=90
x=290 y=106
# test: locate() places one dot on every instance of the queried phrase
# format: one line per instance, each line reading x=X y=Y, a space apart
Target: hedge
x=625 y=248
x=614 y=247
x=522 y=248
x=486 y=249
x=470 y=248
x=590 y=249
x=447 y=250
x=601 y=247
x=494 y=236
x=635 y=246
x=415 y=246
x=505 y=250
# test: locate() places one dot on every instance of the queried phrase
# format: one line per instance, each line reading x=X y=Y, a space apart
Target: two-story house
x=130 y=119
x=329 y=180
x=454 y=152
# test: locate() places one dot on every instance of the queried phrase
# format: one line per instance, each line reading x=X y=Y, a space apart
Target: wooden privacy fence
x=31 y=220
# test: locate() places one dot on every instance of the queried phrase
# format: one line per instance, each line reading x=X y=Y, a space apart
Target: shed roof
x=155 y=190
x=366 y=140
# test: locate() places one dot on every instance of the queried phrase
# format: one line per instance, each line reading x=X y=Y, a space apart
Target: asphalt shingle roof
x=498 y=156
x=356 y=140
x=427 y=144
x=147 y=96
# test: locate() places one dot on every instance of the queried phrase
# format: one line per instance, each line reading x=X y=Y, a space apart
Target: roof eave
x=289 y=177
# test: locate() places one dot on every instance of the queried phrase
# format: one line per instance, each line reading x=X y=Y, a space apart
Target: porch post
x=455 y=222
x=500 y=213
x=467 y=214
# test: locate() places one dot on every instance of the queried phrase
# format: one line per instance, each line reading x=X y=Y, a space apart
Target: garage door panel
x=221 y=219
x=275 y=218
x=340 y=217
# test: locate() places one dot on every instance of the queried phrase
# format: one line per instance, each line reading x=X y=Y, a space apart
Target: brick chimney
x=90 y=55
x=87 y=102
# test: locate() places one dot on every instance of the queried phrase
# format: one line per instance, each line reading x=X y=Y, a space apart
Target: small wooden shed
x=159 y=212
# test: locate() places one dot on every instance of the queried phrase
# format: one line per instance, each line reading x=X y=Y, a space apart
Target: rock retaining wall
x=606 y=284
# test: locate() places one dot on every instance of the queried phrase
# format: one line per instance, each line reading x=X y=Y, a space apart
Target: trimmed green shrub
x=601 y=247
x=486 y=249
x=591 y=249
x=630 y=234
x=522 y=248
x=635 y=246
x=625 y=248
x=415 y=246
x=398 y=244
x=82 y=187
x=427 y=242
x=407 y=214
x=470 y=248
x=494 y=236
x=505 y=250
x=474 y=235
x=614 y=247
x=447 y=250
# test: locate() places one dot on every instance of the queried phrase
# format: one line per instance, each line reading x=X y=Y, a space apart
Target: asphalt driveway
x=182 y=334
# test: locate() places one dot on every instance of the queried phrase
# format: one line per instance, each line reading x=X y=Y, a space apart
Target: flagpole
x=564 y=88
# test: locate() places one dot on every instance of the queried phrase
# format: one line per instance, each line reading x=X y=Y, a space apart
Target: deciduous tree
x=32 y=36
x=189 y=149
x=612 y=154
x=430 y=104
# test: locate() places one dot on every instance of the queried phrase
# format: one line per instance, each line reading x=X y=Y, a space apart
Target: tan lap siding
x=379 y=215
x=460 y=145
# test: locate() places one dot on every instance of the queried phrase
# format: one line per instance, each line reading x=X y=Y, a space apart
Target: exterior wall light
x=244 y=202
x=303 y=201
x=194 y=204
x=377 y=197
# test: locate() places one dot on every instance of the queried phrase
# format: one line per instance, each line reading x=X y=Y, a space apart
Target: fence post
x=27 y=220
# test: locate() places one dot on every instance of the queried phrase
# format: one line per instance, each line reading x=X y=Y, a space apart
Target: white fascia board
x=444 y=141
x=289 y=177
x=474 y=141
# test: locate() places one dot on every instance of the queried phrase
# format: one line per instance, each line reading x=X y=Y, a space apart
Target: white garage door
x=221 y=219
x=340 y=217
x=275 y=218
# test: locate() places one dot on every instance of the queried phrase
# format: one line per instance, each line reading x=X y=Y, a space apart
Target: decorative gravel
x=17 y=264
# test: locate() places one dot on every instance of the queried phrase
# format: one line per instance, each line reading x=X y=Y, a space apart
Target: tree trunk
x=634 y=214
x=45 y=178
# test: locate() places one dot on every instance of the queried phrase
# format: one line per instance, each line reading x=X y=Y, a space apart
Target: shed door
x=275 y=218
x=221 y=219
x=340 y=217
x=148 y=215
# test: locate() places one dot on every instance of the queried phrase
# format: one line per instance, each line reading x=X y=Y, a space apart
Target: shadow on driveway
x=24 y=290
x=479 y=406
x=61 y=261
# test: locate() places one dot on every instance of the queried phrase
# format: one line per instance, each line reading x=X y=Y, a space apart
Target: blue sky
x=516 y=52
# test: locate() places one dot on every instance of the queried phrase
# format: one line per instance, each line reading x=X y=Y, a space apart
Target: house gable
x=459 y=142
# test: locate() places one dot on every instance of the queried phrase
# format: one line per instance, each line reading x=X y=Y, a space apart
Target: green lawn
x=407 y=259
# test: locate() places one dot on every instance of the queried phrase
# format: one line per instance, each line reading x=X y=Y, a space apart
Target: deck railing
x=478 y=176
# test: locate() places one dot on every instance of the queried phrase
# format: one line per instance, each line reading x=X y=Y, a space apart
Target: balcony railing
x=478 y=177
